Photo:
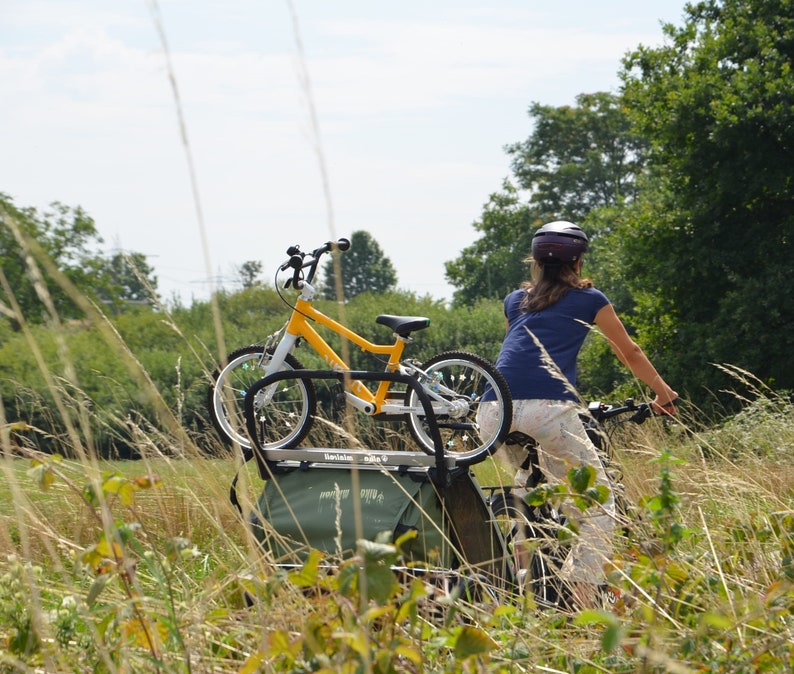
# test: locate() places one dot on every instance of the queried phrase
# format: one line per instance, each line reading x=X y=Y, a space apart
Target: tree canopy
x=711 y=244
x=494 y=264
x=577 y=159
x=248 y=273
x=127 y=279
x=65 y=239
x=64 y=235
x=363 y=268
x=683 y=181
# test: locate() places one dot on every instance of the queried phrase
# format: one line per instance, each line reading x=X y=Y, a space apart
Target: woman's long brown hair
x=550 y=283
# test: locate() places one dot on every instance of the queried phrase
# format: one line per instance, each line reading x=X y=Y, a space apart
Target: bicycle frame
x=299 y=326
x=454 y=382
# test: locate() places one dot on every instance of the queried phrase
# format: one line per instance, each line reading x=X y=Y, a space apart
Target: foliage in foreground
x=146 y=573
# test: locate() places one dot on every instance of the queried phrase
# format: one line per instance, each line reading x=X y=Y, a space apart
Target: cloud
x=415 y=102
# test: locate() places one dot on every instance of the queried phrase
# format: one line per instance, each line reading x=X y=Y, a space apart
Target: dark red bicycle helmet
x=559 y=242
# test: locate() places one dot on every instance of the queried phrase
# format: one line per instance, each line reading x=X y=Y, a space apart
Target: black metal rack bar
x=441 y=462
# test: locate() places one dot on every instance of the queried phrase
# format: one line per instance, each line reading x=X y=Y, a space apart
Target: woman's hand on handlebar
x=668 y=407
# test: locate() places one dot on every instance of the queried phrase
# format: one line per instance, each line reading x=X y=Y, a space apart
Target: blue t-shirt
x=561 y=329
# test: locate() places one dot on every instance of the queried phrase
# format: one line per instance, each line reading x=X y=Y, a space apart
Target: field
x=146 y=566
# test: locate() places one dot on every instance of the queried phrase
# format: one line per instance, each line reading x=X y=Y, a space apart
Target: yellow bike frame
x=299 y=326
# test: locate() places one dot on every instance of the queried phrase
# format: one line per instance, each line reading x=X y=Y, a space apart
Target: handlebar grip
x=328 y=246
x=601 y=412
x=297 y=259
x=292 y=251
x=296 y=262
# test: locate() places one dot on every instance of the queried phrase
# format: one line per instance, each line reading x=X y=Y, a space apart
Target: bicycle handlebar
x=297 y=260
x=601 y=411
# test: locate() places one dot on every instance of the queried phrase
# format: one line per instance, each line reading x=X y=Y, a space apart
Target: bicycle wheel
x=511 y=515
x=288 y=416
x=461 y=380
x=530 y=537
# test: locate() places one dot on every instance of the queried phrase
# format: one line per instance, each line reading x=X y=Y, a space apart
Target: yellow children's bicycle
x=456 y=382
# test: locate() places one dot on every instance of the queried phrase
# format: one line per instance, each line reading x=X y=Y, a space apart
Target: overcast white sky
x=415 y=101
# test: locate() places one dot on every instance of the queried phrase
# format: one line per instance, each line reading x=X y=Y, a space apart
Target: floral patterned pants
x=563 y=444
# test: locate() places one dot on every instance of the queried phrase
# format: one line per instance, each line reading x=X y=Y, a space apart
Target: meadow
x=145 y=565
x=133 y=566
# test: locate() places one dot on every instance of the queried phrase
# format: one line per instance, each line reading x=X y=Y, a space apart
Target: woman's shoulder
x=515 y=296
x=512 y=303
x=591 y=294
x=518 y=292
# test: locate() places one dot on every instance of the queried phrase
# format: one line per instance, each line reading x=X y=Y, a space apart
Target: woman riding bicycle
x=547 y=322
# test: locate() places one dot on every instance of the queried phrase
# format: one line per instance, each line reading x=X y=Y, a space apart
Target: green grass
x=145 y=566
x=715 y=593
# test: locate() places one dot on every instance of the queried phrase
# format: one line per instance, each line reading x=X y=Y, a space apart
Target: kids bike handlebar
x=299 y=260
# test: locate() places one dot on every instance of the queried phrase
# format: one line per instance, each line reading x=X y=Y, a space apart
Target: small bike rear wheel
x=530 y=539
x=511 y=516
x=461 y=380
x=283 y=422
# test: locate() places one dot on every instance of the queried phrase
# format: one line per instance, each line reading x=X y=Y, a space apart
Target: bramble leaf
x=581 y=478
x=308 y=574
x=472 y=641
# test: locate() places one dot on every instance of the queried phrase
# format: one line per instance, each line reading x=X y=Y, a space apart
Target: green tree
x=66 y=236
x=709 y=248
x=494 y=264
x=363 y=268
x=577 y=159
x=249 y=272
x=128 y=279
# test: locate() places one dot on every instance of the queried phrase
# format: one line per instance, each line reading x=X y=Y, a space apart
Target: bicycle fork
x=284 y=347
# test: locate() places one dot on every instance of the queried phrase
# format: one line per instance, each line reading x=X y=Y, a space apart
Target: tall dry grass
x=145 y=566
x=105 y=569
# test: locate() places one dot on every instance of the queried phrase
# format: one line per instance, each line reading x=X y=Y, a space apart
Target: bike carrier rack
x=477 y=540
x=357 y=456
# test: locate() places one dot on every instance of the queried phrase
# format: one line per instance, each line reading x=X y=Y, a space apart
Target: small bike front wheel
x=283 y=422
x=458 y=383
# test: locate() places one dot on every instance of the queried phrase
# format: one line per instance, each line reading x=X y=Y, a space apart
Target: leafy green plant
x=366 y=618
x=22 y=638
x=131 y=598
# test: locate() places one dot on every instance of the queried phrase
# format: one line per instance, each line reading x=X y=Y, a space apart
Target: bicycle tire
x=468 y=377
x=509 y=513
x=292 y=408
x=523 y=523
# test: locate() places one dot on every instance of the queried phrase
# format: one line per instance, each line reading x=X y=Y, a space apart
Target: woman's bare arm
x=632 y=356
